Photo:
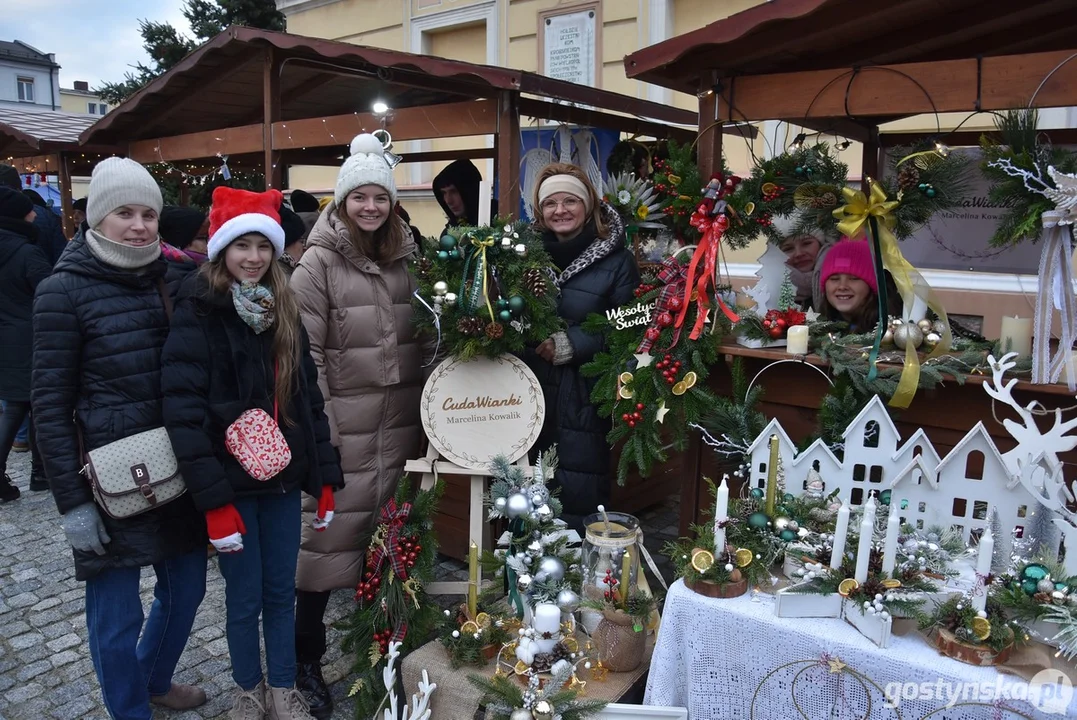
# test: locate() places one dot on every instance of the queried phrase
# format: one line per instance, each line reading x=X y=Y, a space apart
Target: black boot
x=38 y=483
x=309 y=681
x=8 y=491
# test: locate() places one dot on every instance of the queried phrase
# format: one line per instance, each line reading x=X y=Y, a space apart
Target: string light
x=798 y=141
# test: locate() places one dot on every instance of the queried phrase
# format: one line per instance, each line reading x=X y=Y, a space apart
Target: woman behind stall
x=805 y=253
x=586 y=241
x=850 y=291
x=237 y=357
x=100 y=323
x=354 y=292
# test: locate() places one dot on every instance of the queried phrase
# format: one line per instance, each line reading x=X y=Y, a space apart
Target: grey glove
x=84 y=529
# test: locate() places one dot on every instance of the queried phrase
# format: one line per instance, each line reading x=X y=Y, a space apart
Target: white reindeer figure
x=420 y=702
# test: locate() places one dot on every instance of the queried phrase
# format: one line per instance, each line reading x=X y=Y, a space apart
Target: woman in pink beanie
x=850 y=291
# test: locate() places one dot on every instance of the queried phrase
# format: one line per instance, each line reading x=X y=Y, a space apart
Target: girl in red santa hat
x=248 y=425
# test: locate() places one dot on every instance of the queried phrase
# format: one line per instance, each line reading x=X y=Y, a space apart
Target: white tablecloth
x=716 y=656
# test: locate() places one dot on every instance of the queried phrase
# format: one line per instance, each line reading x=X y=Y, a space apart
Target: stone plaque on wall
x=568 y=51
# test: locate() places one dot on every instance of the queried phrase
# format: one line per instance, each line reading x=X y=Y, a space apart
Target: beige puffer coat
x=358 y=316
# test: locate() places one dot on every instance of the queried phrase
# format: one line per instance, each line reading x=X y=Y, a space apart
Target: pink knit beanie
x=849 y=257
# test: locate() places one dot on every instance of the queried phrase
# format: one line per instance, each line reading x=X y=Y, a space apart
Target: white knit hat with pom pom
x=365 y=166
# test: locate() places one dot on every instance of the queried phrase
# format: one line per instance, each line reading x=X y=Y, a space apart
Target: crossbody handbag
x=137 y=473
x=256 y=442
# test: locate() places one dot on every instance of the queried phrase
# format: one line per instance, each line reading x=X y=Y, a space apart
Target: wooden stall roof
x=782 y=36
x=35 y=132
x=220 y=85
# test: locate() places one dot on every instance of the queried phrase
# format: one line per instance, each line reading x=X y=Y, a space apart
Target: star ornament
x=811 y=316
x=662 y=410
x=836 y=665
x=643 y=359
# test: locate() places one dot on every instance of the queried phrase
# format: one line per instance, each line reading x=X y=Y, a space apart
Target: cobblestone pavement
x=45 y=669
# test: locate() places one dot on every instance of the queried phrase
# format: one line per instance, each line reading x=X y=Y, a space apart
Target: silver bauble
x=908 y=334
x=535 y=548
x=888 y=337
x=540 y=495
x=506 y=243
x=543 y=710
x=523 y=583
x=938 y=327
x=543 y=513
x=441 y=287
x=924 y=325
x=517 y=505
x=552 y=568
x=450 y=299
x=521 y=714
x=1046 y=585
x=931 y=340
x=1058 y=597
x=794 y=525
x=781 y=523
x=520 y=250
x=568 y=601
x=897 y=321
x=500 y=503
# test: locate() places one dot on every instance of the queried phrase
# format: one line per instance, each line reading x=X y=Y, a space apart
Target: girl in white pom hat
x=354 y=293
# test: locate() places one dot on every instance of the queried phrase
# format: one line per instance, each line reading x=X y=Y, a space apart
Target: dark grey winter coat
x=23 y=265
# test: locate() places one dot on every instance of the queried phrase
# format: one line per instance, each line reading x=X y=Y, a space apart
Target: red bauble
x=664 y=319
x=652 y=334
x=780 y=322
x=639 y=406
x=766 y=324
x=775 y=333
x=675 y=303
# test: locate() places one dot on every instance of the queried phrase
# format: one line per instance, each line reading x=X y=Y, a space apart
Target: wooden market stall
x=837 y=67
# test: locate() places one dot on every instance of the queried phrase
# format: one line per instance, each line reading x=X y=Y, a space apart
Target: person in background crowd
x=303 y=202
x=237 y=344
x=50 y=231
x=457 y=191
x=850 y=290
x=185 y=228
x=23 y=266
x=586 y=241
x=354 y=293
x=78 y=212
x=36 y=199
x=295 y=234
x=629 y=156
x=100 y=322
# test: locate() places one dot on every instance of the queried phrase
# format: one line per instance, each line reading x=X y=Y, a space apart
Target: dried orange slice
x=749 y=208
x=680 y=388
x=702 y=560
x=625 y=392
x=470 y=627
x=981 y=627
x=689 y=380
x=891 y=583
x=521 y=667
x=570 y=644
x=626 y=377
x=482 y=620
x=768 y=188
x=743 y=557
x=847 y=586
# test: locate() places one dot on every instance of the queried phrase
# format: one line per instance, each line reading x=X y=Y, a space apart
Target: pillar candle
x=772 y=478
x=841 y=533
x=796 y=340
x=893 y=528
x=1065 y=377
x=547 y=625
x=472 y=579
x=1017 y=332
x=983 y=568
x=721 y=514
x=626 y=573
x=863 y=551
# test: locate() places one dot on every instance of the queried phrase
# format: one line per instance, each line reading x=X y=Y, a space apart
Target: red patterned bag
x=256 y=442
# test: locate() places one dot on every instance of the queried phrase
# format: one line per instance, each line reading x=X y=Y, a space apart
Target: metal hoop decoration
x=387 y=141
x=779 y=362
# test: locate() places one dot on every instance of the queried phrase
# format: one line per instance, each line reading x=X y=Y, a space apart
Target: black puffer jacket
x=601 y=278
x=50 y=233
x=216 y=368
x=98 y=334
x=22 y=266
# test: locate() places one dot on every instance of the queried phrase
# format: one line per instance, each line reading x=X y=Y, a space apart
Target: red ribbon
x=673 y=277
x=701 y=269
x=393 y=519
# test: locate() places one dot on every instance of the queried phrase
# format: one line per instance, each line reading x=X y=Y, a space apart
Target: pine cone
x=494 y=331
x=908 y=177
x=424 y=266
x=469 y=326
x=535 y=282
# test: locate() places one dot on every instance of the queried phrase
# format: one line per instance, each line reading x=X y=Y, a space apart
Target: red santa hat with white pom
x=239 y=212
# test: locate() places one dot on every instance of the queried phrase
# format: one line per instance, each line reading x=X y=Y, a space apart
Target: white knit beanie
x=116 y=182
x=365 y=166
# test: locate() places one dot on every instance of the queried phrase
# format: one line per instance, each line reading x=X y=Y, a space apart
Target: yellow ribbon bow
x=853 y=222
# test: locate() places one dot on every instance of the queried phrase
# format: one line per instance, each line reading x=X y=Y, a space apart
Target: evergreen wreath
x=391 y=603
x=486 y=291
x=474 y=641
x=991 y=627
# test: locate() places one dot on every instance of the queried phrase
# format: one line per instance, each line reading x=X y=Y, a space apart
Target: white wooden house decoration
x=759 y=452
x=819 y=456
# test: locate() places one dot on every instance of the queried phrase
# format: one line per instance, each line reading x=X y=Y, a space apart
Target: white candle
x=1065 y=378
x=983 y=568
x=1017 y=332
x=893 y=527
x=863 y=551
x=796 y=340
x=547 y=626
x=841 y=532
x=721 y=514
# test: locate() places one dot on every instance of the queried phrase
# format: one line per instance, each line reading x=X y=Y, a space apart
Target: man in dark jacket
x=50 y=231
x=22 y=266
x=457 y=191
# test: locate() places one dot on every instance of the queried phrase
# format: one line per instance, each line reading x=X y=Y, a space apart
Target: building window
x=102 y=109
x=91 y=108
x=26 y=89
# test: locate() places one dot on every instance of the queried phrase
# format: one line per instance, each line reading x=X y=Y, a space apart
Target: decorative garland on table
x=1040 y=591
x=470 y=641
x=391 y=604
x=486 y=290
x=990 y=628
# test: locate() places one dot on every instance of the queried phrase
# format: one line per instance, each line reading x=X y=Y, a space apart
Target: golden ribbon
x=480 y=267
x=854 y=218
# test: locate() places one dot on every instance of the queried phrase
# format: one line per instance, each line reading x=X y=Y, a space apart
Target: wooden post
x=271 y=114
x=709 y=142
x=870 y=160
x=64 y=175
x=508 y=154
x=184 y=194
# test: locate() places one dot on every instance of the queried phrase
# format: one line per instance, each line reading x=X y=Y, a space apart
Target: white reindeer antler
x=420 y=702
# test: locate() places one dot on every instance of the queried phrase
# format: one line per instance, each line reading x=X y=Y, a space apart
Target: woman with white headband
x=596 y=272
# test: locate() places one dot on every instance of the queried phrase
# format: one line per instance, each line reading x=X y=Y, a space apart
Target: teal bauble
x=443 y=254
x=757 y=493
x=930 y=192
x=788 y=497
x=502 y=304
x=517 y=304
x=454 y=254
x=787 y=535
x=758 y=520
x=448 y=242
x=884 y=497
x=1035 y=571
x=1029 y=586
x=505 y=316
x=799 y=170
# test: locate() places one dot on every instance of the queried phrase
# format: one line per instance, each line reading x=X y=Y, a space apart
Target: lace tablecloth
x=732 y=659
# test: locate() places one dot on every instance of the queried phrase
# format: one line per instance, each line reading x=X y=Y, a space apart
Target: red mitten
x=326 y=506
x=226 y=528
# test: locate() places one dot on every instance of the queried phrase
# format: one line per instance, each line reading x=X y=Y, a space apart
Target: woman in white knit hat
x=354 y=293
x=100 y=323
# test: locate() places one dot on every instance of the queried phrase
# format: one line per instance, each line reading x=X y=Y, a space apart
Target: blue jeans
x=260 y=580
x=114 y=620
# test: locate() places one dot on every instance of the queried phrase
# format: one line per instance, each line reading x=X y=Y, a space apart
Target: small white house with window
x=29 y=78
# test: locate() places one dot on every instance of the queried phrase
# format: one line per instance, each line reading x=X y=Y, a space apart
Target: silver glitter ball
x=568 y=601
x=543 y=513
x=500 y=503
x=908 y=334
x=520 y=250
x=450 y=299
x=552 y=568
x=441 y=287
x=938 y=327
x=535 y=549
x=517 y=505
x=1046 y=585
x=523 y=583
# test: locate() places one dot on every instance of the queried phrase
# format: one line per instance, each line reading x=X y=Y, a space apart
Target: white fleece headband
x=564 y=184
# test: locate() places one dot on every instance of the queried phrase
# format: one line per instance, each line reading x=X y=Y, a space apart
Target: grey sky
x=94 y=40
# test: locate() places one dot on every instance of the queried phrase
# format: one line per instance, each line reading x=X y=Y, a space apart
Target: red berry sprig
x=382 y=638
x=368 y=587
x=669 y=369
x=631 y=418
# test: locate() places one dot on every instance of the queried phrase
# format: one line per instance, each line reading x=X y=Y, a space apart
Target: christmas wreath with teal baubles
x=486 y=291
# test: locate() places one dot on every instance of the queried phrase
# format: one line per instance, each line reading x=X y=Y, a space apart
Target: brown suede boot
x=180 y=697
x=286 y=704
x=249 y=704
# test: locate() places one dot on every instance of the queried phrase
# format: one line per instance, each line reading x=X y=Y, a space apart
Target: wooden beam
x=64 y=175
x=415 y=123
x=206 y=144
x=274 y=170
x=970 y=138
x=508 y=153
x=581 y=116
x=709 y=146
x=947 y=86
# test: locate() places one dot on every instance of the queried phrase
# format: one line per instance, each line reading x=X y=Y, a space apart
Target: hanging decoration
x=677 y=180
x=486 y=290
x=392 y=607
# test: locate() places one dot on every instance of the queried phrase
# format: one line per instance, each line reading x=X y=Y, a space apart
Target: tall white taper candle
x=841 y=533
x=893 y=528
x=721 y=514
x=863 y=550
